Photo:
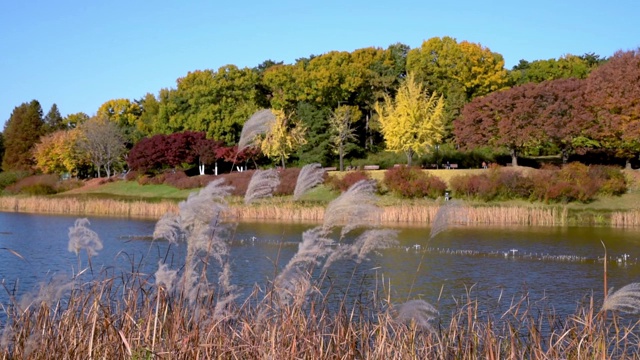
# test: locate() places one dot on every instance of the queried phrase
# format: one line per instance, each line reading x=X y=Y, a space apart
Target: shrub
x=386 y=159
x=497 y=183
x=132 y=175
x=474 y=186
x=193 y=182
x=288 y=179
x=612 y=180
x=514 y=184
x=239 y=181
x=34 y=185
x=144 y=180
x=573 y=182
x=411 y=182
x=11 y=177
x=584 y=186
x=38 y=189
x=69 y=184
x=542 y=179
x=344 y=183
x=173 y=178
x=463 y=186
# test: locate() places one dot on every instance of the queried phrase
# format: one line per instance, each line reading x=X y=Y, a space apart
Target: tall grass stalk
x=119 y=321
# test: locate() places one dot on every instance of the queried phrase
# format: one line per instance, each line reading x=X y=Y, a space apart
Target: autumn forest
x=373 y=105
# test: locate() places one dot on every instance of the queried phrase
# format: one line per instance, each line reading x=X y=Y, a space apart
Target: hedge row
x=572 y=182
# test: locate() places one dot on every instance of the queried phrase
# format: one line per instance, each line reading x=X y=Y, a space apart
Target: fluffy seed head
x=310 y=176
x=83 y=238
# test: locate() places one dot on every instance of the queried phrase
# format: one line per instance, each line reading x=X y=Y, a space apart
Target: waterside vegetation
x=193 y=310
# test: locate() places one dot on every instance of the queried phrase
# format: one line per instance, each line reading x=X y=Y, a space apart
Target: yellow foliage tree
x=342 y=130
x=57 y=153
x=283 y=137
x=413 y=121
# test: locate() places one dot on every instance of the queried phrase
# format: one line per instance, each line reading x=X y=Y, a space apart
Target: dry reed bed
x=413 y=214
x=74 y=206
x=284 y=210
x=121 y=318
x=625 y=219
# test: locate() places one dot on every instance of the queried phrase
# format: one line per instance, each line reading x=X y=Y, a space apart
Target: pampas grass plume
x=354 y=208
x=83 y=238
x=625 y=299
x=257 y=124
x=364 y=244
x=310 y=176
x=418 y=312
x=263 y=183
x=165 y=277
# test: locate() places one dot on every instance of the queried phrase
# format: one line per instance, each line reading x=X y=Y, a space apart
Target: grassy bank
x=130 y=199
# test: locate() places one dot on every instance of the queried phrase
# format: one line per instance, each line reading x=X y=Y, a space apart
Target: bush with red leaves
x=411 y=182
x=344 y=183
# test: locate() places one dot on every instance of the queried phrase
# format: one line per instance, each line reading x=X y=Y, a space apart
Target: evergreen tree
x=53 y=120
x=1 y=148
x=21 y=132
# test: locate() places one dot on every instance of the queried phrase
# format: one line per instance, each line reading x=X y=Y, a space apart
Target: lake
x=556 y=267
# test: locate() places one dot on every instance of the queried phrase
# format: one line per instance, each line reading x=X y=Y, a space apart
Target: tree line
x=341 y=104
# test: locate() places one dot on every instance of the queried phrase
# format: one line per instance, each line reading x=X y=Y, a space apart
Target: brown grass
x=281 y=209
x=126 y=317
x=625 y=219
x=75 y=206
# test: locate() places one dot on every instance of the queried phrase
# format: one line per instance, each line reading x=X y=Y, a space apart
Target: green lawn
x=131 y=190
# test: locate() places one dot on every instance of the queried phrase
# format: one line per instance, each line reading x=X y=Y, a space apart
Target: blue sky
x=79 y=54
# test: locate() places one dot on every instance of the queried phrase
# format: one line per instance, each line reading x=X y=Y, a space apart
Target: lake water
x=556 y=266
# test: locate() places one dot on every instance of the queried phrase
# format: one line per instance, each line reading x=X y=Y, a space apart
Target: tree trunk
x=341 y=155
x=565 y=156
x=627 y=164
x=514 y=158
x=409 y=157
x=282 y=158
x=366 y=134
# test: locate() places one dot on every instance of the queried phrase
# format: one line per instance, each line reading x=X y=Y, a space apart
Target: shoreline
x=409 y=214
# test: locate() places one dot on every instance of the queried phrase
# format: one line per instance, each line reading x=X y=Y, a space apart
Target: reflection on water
x=555 y=267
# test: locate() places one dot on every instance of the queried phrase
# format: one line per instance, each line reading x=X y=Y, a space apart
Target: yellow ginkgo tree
x=283 y=137
x=412 y=121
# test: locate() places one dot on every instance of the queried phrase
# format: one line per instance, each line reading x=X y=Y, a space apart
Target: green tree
x=124 y=113
x=566 y=67
x=341 y=127
x=72 y=121
x=53 y=120
x=280 y=83
x=216 y=102
x=317 y=148
x=21 y=132
x=413 y=120
x=1 y=148
x=150 y=110
x=458 y=71
x=283 y=137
